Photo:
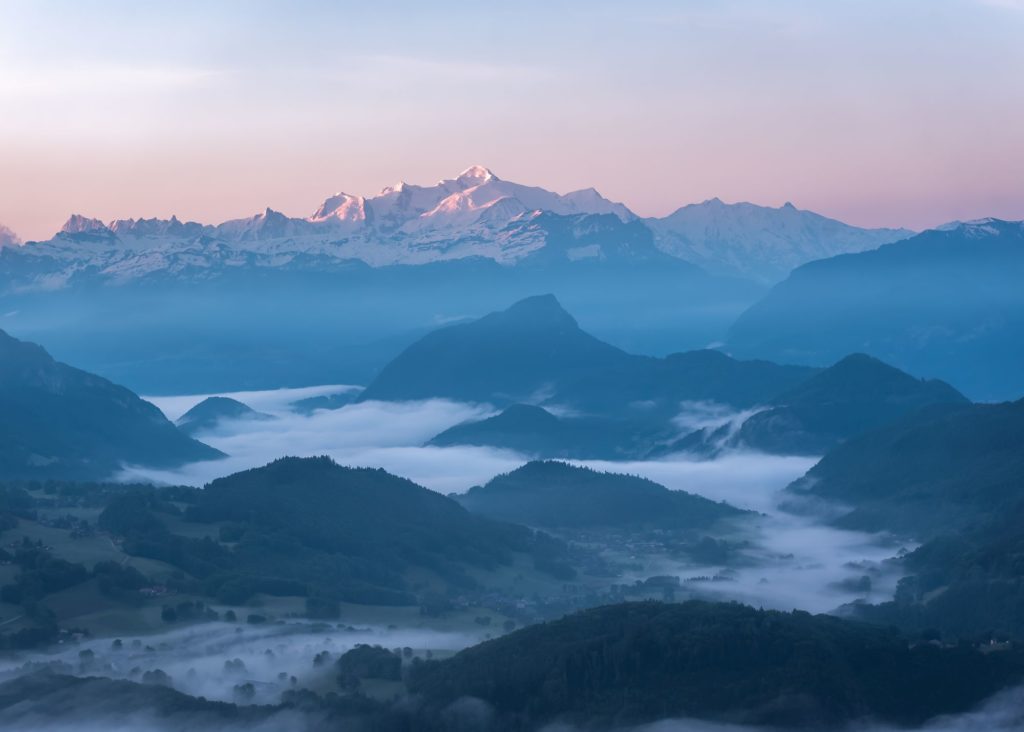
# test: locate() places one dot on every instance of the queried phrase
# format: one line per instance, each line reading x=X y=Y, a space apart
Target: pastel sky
x=879 y=112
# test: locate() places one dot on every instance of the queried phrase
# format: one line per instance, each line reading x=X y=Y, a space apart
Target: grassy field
x=85 y=607
x=83 y=550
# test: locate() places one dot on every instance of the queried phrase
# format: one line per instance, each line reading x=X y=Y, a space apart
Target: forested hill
x=856 y=394
x=307 y=526
x=535 y=350
x=57 y=421
x=640 y=662
x=938 y=469
x=966 y=584
x=556 y=494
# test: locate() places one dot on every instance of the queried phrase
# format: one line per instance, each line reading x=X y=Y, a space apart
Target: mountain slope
x=514 y=355
x=703 y=375
x=210 y=411
x=938 y=469
x=854 y=395
x=350 y=533
x=758 y=242
x=534 y=431
x=48 y=699
x=558 y=495
x=535 y=352
x=59 y=422
x=966 y=584
x=946 y=303
x=252 y=324
x=952 y=476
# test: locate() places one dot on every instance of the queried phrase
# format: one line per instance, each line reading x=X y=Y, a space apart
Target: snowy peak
x=978 y=228
x=474 y=176
x=589 y=201
x=760 y=242
x=270 y=224
x=954 y=225
x=717 y=209
x=476 y=200
x=502 y=211
x=78 y=224
x=475 y=214
x=153 y=228
x=341 y=207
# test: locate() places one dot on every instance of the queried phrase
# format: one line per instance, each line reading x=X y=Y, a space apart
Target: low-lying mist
x=387 y=435
x=1002 y=713
x=211 y=660
x=791 y=561
x=254 y=665
x=788 y=561
x=391 y=435
x=797 y=561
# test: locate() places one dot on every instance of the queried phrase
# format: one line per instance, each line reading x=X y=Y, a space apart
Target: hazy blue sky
x=881 y=112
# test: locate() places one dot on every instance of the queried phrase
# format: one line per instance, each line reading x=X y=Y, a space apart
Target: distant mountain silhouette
x=535 y=351
x=355 y=534
x=558 y=495
x=941 y=468
x=325 y=401
x=622 y=405
x=856 y=394
x=59 y=422
x=221 y=319
x=760 y=242
x=537 y=432
x=947 y=303
x=475 y=214
x=514 y=355
x=224 y=302
x=210 y=411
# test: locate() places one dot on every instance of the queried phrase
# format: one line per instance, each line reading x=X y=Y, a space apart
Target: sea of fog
x=796 y=561
x=391 y=435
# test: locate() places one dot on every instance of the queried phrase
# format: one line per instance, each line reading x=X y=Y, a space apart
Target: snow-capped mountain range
x=475 y=214
x=758 y=242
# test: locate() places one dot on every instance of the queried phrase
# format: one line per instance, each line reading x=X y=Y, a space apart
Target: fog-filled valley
x=799 y=562
x=702 y=411
x=513 y=524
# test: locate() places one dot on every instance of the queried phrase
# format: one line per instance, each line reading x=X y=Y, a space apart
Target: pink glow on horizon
x=879 y=114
